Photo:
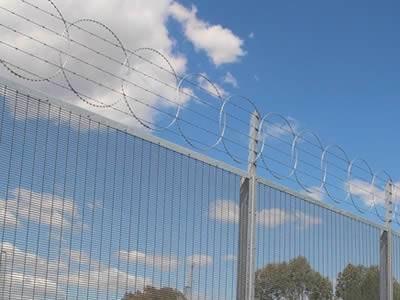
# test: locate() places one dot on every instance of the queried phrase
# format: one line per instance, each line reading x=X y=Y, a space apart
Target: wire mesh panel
x=396 y=265
x=305 y=250
x=91 y=212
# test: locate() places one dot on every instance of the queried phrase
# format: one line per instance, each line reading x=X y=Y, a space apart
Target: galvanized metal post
x=3 y=270
x=247 y=216
x=386 y=275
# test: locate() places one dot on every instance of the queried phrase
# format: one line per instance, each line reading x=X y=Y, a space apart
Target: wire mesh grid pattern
x=308 y=251
x=142 y=86
x=94 y=210
x=91 y=212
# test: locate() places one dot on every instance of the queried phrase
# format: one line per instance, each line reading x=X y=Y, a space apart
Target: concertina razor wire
x=212 y=89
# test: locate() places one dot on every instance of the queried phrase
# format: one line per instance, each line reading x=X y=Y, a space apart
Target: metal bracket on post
x=386 y=275
x=247 y=216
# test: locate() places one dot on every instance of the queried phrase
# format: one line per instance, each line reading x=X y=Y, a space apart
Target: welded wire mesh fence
x=93 y=207
x=306 y=250
x=91 y=211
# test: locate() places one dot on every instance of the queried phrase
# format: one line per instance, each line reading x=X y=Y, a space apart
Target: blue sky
x=329 y=67
x=333 y=66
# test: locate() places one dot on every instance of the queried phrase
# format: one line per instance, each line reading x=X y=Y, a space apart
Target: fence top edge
x=324 y=205
x=132 y=130
x=137 y=132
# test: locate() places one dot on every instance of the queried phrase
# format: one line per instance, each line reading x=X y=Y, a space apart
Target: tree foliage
x=292 y=281
x=361 y=283
x=152 y=293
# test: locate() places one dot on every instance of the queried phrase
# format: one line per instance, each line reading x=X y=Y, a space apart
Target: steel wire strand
x=153 y=77
x=347 y=203
x=169 y=130
x=323 y=169
x=113 y=75
x=328 y=152
x=316 y=178
x=115 y=91
x=283 y=128
x=318 y=168
x=124 y=64
x=132 y=52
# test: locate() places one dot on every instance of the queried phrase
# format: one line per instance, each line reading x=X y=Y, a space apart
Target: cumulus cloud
x=274 y=129
x=43 y=278
x=8 y=216
x=149 y=88
x=158 y=261
x=304 y=220
x=54 y=210
x=221 y=44
x=370 y=194
x=211 y=87
x=139 y=24
x=106 y=279
x=230 y=79
x=228 y=212
x=316 y=193
x=200 y=260
x=224 y=210
x=32 y=274
x=229 y=257
x=272 y=217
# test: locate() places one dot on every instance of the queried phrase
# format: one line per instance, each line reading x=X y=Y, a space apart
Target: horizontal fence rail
x=142 y=87
x=308 y=251
x=91 y=212
x=99 y=201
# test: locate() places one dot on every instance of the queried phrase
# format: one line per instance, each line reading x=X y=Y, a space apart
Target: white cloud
x=273 y=129
x=316 y=193
x=211 y=87
x=7 y=216
x=224 y=210
x=158 y=261
x=106 y=279
x=32 y=287
x=94 y=205
x=41 y=278
x=54 y=211
x=251 y=35
x=220 y=43
x=230 y=79
x=304 y=220
x=229 y=257
x=272 y=217
x=365 y=191
x=30 y=273
x=31 y=262
x=228 y=212
x=199 y=260
x=137 y=24
x=371 y=194
x=79 y=256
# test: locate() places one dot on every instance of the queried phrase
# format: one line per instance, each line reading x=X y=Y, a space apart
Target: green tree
x=292 y=281
x=152 y=293
x=361 y=283
x=349 y=281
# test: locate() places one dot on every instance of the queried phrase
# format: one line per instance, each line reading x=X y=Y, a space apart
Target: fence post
x=386 y=276
x=3 y=270
x=247 y=215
